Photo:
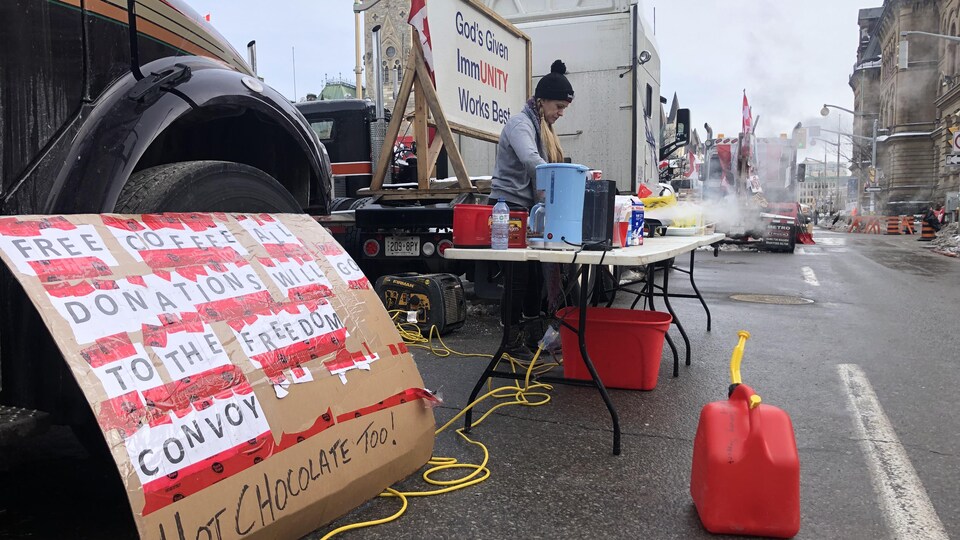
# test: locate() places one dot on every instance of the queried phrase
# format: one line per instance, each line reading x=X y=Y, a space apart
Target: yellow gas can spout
x=737 y=357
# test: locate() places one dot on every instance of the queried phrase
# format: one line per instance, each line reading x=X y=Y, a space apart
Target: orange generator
x=746 y=470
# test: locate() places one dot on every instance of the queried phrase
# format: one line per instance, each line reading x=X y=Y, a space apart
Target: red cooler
x=471 y=226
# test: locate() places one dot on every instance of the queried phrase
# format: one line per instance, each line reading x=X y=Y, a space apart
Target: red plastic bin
x=624 y=344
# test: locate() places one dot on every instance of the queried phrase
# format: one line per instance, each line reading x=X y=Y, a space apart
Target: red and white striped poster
x=227 y=359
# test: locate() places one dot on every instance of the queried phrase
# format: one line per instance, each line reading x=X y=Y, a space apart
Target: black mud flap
x=16 y=423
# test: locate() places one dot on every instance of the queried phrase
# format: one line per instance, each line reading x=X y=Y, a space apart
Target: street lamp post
x=873 y=153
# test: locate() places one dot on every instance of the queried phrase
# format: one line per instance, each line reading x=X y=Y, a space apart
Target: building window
x=951 y=64
x=391 y=51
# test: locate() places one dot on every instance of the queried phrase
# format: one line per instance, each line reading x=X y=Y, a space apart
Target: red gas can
x=746 y=470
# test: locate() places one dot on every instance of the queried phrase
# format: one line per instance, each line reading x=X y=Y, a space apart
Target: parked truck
x=612 y=62
x=130 y=107
x=749 y=188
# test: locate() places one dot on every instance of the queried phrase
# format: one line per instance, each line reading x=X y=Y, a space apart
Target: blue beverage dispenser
x=560 y=189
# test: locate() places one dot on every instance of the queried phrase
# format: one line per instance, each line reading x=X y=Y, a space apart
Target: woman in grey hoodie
x=527 y=140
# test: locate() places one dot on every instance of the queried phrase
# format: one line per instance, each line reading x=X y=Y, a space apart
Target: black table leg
x=651 y=274
x=697 y=291
x=581 y=340
x=490 y=371
x=676 y=320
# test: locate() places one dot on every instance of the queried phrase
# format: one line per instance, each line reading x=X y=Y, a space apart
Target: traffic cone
x=893 y=225
x=926 y=233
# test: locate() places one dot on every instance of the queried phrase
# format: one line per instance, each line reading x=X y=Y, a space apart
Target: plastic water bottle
x=500 y=226
x=635 y=237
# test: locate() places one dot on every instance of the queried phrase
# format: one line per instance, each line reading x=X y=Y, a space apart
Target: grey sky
x=790 y=56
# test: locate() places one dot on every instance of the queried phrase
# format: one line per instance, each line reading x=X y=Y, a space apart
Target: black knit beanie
x=554 y=85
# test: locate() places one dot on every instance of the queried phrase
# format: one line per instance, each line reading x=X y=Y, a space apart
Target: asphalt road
x=883 y=305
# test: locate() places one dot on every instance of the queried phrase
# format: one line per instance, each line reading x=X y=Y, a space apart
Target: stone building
x=947 y=99
x=865 y=81
x=914 y=96
x=395 y=44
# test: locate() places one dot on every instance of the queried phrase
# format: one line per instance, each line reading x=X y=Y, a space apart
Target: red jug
x=746 y=470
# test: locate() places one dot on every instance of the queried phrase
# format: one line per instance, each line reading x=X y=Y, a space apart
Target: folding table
x=654 y=250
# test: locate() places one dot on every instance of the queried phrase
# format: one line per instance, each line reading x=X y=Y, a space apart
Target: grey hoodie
x=519 y=152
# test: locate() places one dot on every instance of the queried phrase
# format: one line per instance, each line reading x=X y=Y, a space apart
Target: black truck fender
x=203 y=109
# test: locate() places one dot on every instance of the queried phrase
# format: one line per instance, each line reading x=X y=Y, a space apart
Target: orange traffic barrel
x=893 y=225
x=907 y=223
x=926 y=233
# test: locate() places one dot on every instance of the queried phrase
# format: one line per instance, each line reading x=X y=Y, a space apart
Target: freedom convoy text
x=167 y=348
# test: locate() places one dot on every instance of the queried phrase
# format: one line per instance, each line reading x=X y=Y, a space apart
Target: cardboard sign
x=481 y=66
x=246 y=377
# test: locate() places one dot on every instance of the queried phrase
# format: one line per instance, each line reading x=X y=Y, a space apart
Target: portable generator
x=436 y=299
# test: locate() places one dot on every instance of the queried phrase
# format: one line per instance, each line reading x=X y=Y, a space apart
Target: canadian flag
x=692 y=165
x=747 y=114
x=418 y=19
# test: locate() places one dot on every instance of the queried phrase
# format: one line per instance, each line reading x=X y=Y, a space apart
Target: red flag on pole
x=747 y=115
x=418 y=19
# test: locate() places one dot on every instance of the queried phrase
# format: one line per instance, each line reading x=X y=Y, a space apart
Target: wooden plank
x=420 y=133
x=507 y=25
x=386 y=153
x=443 y=128
x=466 y=130
x=530 y=70
x=473 y=133
x=410 y=194
x=435 y=148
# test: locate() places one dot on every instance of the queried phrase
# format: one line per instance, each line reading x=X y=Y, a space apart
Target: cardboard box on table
x=247 y=379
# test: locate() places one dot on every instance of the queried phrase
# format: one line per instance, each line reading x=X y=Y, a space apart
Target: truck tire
x=358 y=203
x=187 y=187
x=341 y=203
x=201 y=186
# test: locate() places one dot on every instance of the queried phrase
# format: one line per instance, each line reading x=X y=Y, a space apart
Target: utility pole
x=873 y=163
x=358 y=69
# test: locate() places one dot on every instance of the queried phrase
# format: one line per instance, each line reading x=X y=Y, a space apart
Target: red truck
x=750 y=189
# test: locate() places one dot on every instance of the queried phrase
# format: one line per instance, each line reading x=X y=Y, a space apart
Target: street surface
x=884 y=316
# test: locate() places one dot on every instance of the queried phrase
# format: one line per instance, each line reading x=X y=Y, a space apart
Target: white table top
x=654 y=249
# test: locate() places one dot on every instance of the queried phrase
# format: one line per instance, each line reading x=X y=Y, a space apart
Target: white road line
x=809 y=276
x=904 y=501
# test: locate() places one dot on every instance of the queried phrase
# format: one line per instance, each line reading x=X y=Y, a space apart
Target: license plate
x=401 y=246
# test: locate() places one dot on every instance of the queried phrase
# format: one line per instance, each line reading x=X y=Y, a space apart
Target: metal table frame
x=624 y=257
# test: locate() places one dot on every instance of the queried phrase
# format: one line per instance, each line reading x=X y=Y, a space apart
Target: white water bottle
x=500 y=226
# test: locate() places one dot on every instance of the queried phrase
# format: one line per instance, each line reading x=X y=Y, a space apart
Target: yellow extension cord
x=412 y=335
